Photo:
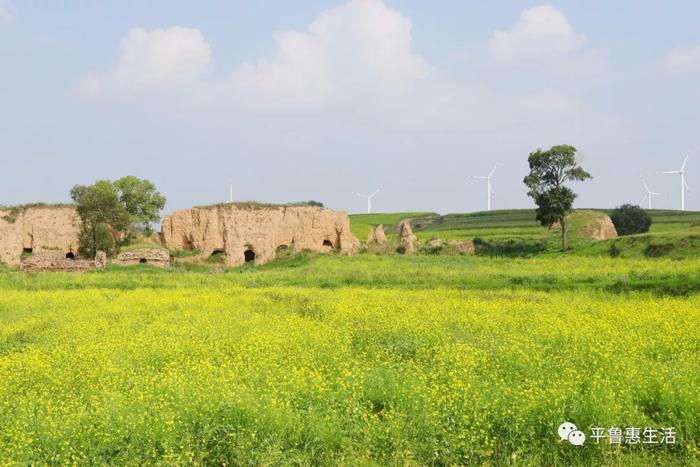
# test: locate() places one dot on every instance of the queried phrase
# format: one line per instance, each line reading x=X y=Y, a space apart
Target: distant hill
x=518 y=226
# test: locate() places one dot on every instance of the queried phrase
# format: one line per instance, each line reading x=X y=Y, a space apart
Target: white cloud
x=158 y=60
x=683 y=59
x=6 y=12
x=361 y=46
x=540 y=29
x=544 y=39
x=355 y=60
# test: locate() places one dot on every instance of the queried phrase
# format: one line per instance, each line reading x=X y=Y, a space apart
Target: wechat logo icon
x=569 y=432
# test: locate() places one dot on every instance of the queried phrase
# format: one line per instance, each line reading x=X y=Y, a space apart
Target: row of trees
x=114 y=212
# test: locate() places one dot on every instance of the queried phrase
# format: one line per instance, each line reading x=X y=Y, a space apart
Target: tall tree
x=141 y=200
x=104 y=218
x=549 y=171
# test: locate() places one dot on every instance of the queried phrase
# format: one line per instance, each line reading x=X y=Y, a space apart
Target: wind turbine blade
x=480 y=178
x=685 y=184
x=493 y=170
x=672 y=172
x=376 y=191
x=360 y=194
x=685 y=161
x=646 y=197
x=646 y=187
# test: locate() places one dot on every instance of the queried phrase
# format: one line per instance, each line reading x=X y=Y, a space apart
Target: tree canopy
x=550 y=170
x=111 y=211
x=141 y=200
x=104 y=217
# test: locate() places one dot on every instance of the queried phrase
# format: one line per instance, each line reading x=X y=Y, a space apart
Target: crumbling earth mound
x=593 y=225
x=408 y=240
x=246 y=233
x=38 y=229
x=56 y=261
x=376 y=237
x=153 y=256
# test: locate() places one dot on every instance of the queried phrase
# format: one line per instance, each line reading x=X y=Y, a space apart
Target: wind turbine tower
x=369 y=199
x=684 y=184
x=489 y=189
x=650 y=194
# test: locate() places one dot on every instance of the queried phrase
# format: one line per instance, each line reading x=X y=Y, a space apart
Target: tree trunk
x=564 y=234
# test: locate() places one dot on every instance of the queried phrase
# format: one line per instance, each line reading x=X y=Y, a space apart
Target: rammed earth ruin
x=38 y=229
x=242 y=232
x=257 y=233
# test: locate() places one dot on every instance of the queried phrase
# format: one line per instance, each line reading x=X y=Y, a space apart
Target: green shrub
x=630 y=220
x=509 y=248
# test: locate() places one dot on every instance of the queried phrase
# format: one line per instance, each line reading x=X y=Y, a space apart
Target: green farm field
x=368 y=360
x=673 y=234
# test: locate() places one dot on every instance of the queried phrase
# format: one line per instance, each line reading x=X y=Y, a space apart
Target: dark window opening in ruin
x=218 y=251
x=70 y=255
x=249 y=255
x=143 y=261
x=328 y=243
x=27 y=250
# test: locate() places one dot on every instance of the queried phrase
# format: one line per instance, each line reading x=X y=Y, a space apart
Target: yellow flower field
x=227 y=374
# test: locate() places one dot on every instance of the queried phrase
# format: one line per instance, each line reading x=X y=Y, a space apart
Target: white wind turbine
x=684 y=184
x=489 y=189
x=369 y=199
x=650 y=194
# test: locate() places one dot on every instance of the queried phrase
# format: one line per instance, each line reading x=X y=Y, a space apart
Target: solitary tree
x=549 y=171
x=141 y=200
x=104 y=218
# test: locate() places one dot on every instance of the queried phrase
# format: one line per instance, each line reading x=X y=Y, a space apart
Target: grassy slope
x=361 y=224
x=669 y=228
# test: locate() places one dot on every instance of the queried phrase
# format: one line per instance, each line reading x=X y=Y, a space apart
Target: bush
x=630 y=220
x=514 y=248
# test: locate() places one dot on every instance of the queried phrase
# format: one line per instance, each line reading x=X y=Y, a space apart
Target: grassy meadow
x=515 y=233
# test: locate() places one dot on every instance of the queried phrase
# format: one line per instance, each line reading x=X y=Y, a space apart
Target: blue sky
x=317 y=99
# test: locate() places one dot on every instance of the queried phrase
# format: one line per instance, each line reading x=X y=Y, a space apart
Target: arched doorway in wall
x=217 y=256
x=70 y=255
x=283 y=251
x=143 y=261
x=249 y=254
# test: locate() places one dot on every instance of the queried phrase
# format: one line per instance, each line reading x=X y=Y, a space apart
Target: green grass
x=672 y=243
x=361 y=224
x=545 y=273
x=506 y=228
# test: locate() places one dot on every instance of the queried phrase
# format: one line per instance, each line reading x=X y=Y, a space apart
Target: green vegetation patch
x=361 y=224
